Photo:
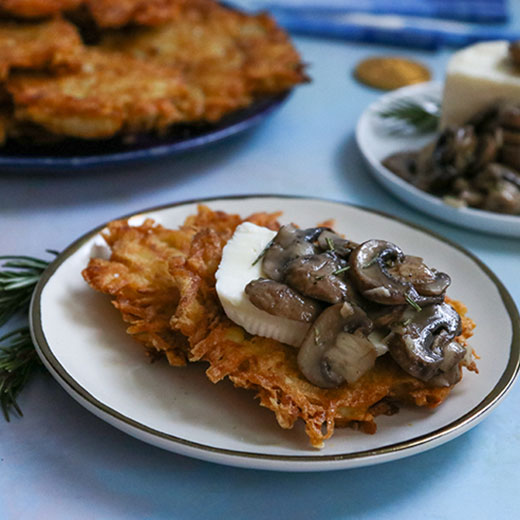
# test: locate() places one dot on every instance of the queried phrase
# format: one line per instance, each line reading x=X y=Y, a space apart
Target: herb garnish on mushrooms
x=363 y=300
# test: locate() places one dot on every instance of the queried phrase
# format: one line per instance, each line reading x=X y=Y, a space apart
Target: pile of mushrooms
x=362 y=301
x=475 y=165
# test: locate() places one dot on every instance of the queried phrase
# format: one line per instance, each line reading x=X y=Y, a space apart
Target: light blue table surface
x=60 y=461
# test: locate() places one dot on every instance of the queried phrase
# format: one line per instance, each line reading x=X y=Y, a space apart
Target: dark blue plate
x=74 y=154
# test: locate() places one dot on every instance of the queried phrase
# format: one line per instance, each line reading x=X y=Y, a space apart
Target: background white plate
x=376 y=143
x=81 y=339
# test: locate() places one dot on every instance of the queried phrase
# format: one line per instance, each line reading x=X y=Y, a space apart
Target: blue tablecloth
x=469 y=10
x=427 y=24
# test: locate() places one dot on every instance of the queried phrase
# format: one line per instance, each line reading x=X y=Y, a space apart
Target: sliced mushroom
x=503 y=198
x=427 y=282
x=288 y=244
x=385 y=275
x=501 y=187
x=328 y=240
x=495 y=172
x=403 y=164
x=467 y=193
x=336 y=348
x=384 y=315
x=456 y=147
x=454 y=152
x=489 y=144
x=281 y=300
x=424 y=344
x=319 y=276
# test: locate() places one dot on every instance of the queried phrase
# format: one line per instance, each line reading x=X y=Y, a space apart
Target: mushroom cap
x=319 y=276
x=288 y=244
x=279 y=299
x=423 y=345
x=384 y=274
x=321 y=338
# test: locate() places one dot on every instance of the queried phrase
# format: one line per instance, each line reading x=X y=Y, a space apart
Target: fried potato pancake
x=202 y=62
x=147 y=276
x=111 y=93
x=163 y=282
x=36 y=8
x=106 y=13
x=50 y=44
x=226 y=56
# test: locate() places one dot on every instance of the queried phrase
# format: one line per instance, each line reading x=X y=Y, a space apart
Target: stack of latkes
x=95 y=69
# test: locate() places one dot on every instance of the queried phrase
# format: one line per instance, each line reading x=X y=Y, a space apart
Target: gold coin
x=389 y=73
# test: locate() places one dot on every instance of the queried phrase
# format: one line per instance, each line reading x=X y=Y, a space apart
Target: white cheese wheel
x=476 y=78
x=238 y=267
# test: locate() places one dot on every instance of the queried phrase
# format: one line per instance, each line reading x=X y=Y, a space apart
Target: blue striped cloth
x=426 y=24
x=467 y=10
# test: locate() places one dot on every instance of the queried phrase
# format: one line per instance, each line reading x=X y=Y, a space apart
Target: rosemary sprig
x=404 y=116
x=341 y=270
x=330 y=244
x=18 y=277
x=413 y=303
x=18 y=360
x=263 y=252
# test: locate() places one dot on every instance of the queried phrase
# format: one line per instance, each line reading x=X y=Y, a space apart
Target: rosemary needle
x=18 y=360
x=263 y=252
x=412 y=303
x=341 y=270
x=18 y=277
x=406 y=115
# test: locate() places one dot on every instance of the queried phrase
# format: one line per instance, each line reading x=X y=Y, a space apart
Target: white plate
x=81 y=339
x=376 y=144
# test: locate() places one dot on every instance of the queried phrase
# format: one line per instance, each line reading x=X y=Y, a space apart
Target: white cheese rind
x=235 y=271
x=476 y=78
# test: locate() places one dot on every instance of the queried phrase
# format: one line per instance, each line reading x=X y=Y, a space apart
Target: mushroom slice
x=403 y=164
x=319 y=276
x=426 y=281
x=384 y=315
x=424 y=345
x=336 y=348
x=288 y=244
x=279 y=299
x=385 y=275
x=328 y=240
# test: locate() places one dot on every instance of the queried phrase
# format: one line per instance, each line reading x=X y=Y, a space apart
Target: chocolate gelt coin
x=389 y=73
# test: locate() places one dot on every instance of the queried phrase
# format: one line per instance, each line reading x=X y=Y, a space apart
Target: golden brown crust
x=110 y=93
x=110 y=13
x=202 y=62
x=106 y=13
x=52 y=44
x=37 y=8
x=152 y=261
x=228 y=58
